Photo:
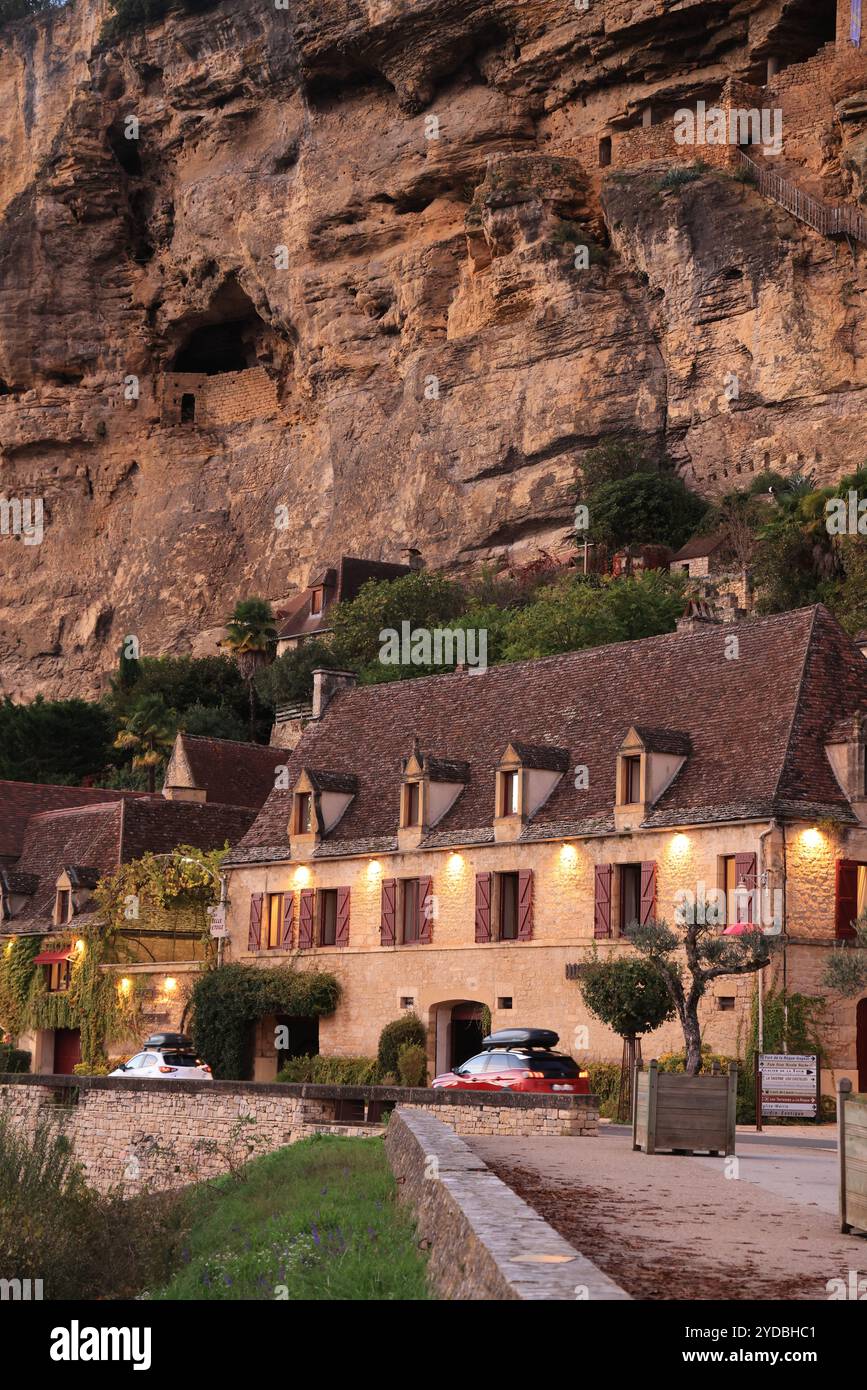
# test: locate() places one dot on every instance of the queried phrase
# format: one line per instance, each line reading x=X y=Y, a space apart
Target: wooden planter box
x=684 y=1113
x=852 y=1150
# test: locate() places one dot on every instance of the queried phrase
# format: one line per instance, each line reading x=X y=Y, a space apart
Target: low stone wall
x=485 y=1242
x=169 y=1133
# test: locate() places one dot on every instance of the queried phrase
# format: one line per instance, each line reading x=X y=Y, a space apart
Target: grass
x=317 y=1220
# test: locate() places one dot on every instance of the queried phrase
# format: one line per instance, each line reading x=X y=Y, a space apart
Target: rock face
x=327 y=299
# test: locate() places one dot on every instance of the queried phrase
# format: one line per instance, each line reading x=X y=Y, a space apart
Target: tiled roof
x=541 y=756
x=698 y=548
x=232 y=773
x=663 y=740
x=754 y=722
x=21 y=800
x=331 y=781
x=105 y=836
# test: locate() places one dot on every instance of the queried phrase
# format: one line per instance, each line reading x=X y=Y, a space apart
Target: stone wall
x=484 y=1241
x=167 y=1134
x=226 y=398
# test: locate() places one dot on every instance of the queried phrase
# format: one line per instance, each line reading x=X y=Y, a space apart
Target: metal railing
x=822 y=217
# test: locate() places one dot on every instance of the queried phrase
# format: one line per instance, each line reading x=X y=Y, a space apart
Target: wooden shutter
x=483 y=907
x=647 y=910
x=305 y=919
x=745 y=877
x=288 y=920
x=341 y=935
x=602 y=900
x=525 y=904
x=846 y=898
x=388 y=912
x=425 y=909
x=254 y=939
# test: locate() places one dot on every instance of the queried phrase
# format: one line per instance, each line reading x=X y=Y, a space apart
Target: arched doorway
x=861 y=1043
x=459 y=1026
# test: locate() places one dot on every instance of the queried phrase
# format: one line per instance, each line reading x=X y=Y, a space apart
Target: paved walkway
x=672 y=1227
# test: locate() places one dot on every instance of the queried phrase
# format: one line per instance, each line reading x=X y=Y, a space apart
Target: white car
x=164 y=1064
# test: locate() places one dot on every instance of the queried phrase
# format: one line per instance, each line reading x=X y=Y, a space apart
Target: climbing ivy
x=227 y=1000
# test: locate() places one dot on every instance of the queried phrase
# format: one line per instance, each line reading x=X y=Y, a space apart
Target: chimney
x=414 y=558
x=699 y=615
x=326 y=685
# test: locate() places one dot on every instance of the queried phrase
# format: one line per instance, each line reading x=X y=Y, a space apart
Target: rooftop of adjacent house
x=96 y=840
x=698 y=548
x=338 y=585
x=21 y=800
x=231 y=773
x=751 y=722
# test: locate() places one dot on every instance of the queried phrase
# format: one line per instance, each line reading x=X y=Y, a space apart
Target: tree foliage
x=60 y=741
x=689 y=958
x=403 y=1031
x=626 y=993
x=573 y=614
x=644 y=507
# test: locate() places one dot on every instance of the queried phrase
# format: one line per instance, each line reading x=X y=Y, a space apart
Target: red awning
x=52 y=957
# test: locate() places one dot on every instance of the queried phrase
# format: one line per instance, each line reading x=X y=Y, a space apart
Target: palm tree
x=149 y=729
x=250 y=637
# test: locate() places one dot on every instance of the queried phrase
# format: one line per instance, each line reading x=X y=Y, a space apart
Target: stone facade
x=132 y=1134
x=230 y=398
x=532 y=974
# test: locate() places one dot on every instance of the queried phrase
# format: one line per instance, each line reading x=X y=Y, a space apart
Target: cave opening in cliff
x=228 y=336
x=124 y=148
x=804 y=27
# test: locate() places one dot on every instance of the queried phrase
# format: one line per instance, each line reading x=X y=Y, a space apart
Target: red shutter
x=341 y=935
x=483 y=907
x=425 y=909
x=305 y=919
x=388 y=912
x=745 y=877
x=254 y=939
x=525 y=904
x=846 y=898
x=602 y=900
x=647 y=910
x=288 y=920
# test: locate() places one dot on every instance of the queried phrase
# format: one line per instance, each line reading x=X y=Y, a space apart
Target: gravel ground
x=671 y=1227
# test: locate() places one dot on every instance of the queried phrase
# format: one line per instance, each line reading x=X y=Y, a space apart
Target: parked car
x=518 y=1059
x=165 y=1057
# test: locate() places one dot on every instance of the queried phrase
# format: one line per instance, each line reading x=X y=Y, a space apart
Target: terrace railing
x=824 y=218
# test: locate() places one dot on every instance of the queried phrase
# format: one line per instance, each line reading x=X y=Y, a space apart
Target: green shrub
x=605 y=1084
x=406 y=1029
x=228 y=1000
x=13 y=1059
x=330 y=1071
x=680 y=174
x=412 y=1064
x=676 y=1061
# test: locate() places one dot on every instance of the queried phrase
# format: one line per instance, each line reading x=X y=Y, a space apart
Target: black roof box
x=167 y=1040
x=522 y=1037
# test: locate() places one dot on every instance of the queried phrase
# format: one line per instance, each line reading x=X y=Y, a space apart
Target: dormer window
x=526 y=777
x=411 y=804
x=510 y=803
x=62 y=906
x=317 y=597
x=631 y=780
x=303 y=813
x=846 y=751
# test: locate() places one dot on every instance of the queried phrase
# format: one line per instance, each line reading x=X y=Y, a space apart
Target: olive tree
x=630 y=996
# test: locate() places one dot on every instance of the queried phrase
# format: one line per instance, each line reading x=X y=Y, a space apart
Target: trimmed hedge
x=13 y=1059
x=330 y=1071
x=406 y=1029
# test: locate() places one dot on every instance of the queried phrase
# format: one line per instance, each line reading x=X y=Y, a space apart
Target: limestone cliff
x=327 y=300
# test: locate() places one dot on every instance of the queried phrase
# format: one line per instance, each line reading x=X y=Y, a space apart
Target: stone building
x=459 y=843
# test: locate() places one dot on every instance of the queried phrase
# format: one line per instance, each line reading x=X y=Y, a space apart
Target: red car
x=518 y=1059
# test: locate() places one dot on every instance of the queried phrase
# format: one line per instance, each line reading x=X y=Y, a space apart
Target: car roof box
x=521 y=1037
x=167 y=1040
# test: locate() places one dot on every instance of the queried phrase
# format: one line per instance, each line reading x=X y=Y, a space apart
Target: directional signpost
x=788 y=1084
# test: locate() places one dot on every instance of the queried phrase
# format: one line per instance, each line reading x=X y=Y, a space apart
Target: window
x=631 y=781
x=476 y=1065
x=630 y=894
x=605 y=151
x=725 y=1003
x=407 y=1001
x=504 y=1001
x=274 y=921
x=508 y=916
x=316 y=601
x=188 y=409
x=57 y=976
x=328 y=917
x=730 y=886
x=412 y=803
x=303 y=813
x=61 y=912
x=410 y=909
x=510 y=795
x=851 y=896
